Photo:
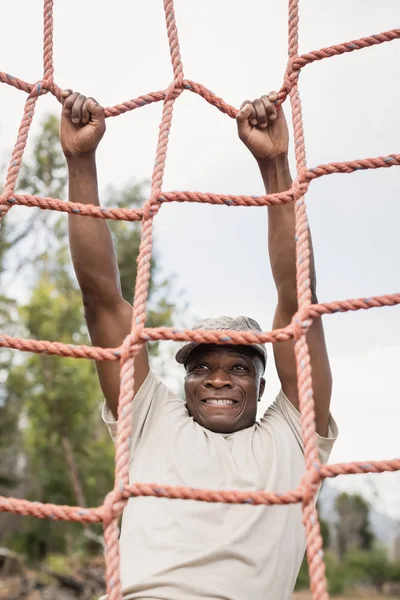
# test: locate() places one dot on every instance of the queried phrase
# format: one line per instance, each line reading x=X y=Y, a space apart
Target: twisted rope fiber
x=154 y=334
x=110 y=512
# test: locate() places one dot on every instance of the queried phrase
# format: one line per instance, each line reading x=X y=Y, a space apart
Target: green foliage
x=356 y=566
x=337 y=574
x=50 y=406
x=4 y=244
x=325 y=532
x=61 y=399
x=368 y=568
x=126 y=238
x=10 y=403
x=353 y=529
x=58 y=563
x=373 y=567
x=303 y=578
x=47 y=174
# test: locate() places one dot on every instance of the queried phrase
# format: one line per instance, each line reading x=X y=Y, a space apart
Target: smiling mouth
x=219 y=402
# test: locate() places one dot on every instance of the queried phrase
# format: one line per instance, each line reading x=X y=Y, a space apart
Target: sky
x=218 y=256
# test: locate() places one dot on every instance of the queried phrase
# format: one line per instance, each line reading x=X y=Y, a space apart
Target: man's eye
x=239 y=367
x=200 y=367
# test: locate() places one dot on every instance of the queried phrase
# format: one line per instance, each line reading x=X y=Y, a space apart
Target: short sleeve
x=291 y=415
x=140 y=406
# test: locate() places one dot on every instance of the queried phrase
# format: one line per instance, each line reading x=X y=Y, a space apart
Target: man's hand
x=262 y=127
x=82 y=124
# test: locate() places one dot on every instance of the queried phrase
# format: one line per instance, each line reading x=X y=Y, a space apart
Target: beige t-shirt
x=189 y=550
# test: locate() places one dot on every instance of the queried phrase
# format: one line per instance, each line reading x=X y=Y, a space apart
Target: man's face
x=222 y=386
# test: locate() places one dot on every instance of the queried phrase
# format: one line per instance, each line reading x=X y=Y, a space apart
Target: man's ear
x=261 y=388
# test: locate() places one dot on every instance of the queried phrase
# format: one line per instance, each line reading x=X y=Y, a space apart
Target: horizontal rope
x=256 y=498
x=156 y=334
x=197 y=88
x=126 y=214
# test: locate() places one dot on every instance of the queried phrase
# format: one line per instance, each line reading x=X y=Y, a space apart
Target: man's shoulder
x=151 y=403
x=283 y=416
x=154 y=384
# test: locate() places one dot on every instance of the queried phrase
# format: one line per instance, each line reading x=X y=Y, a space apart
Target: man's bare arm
x=108 y=315
x=282 y=251
x=263 y=129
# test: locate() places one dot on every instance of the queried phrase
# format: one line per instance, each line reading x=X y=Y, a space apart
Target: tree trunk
x=77 y=487
x=73 y=471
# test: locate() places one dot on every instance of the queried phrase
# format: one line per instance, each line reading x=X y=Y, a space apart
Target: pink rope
x=110 y=512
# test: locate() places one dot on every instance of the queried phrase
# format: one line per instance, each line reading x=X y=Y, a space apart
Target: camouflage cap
x=222 y=324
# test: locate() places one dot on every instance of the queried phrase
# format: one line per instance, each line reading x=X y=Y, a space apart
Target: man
x=185 y=550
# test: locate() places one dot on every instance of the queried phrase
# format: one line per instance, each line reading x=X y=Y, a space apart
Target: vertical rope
x=139 y=310
x=48 y=68
x=304 y=376
x=172 y=32
x=16 y=157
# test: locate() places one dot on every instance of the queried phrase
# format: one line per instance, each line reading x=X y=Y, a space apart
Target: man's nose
x=218 y=379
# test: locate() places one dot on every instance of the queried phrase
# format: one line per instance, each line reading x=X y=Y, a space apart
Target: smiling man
x=180 y=549
x=223 y=384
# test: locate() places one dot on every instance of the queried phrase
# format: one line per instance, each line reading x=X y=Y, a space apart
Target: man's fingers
x=76 y=111
x=96 y=111
x=68 y=103
x=85 y=112
x=273 y=96
x=242 y=119
x=261 y=113
x=269 y=106
x=245 y=111
x=66 y=93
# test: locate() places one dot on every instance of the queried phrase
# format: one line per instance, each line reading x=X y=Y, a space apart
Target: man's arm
x=107 y=314
x=263 y=129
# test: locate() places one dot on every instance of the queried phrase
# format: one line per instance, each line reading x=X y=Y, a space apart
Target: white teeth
x=219 y=402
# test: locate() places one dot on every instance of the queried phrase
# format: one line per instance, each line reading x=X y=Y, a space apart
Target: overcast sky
x=117 y=51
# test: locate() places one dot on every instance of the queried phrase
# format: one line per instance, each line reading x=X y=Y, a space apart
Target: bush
x=338 y=575
x=303 y=578
x=373 y=567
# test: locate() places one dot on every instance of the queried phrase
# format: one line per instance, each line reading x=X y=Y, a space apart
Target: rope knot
x=151 y=206
x=113 y=504
x=291 y=74
x=4 y=204
x=108 y=507
x=301 y=323
x=5 y=196
x=310 y=483
x=175 y=88
x=300 y=186
x=131 y=345
x=40 y=88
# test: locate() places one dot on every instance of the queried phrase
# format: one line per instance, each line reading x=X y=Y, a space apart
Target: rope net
x=110 y=512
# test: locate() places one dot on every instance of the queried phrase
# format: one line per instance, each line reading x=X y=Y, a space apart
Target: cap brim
x=183 y=353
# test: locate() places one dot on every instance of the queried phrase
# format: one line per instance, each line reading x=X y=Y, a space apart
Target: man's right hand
x=82 y=124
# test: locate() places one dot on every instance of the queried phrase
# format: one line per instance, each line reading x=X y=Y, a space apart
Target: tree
x=373 y=567
x=353 y=529
x=67 y=450
x=127 y=240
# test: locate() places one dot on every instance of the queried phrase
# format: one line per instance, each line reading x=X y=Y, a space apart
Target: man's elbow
x=94 y=303
x=288 y=301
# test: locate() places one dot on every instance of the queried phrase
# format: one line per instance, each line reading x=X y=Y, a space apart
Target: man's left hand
x=262 y=127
